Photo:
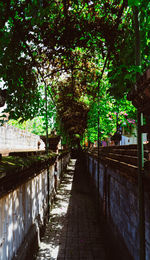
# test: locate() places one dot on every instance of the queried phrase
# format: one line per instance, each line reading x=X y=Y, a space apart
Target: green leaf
x=133 y=2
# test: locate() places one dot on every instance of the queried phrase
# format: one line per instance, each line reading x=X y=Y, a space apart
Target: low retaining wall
x=23 y=210
x=118 y=197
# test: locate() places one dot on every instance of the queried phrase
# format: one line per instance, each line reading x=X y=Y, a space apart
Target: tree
x=112 y=111
x=122 y=69
x=43 y=41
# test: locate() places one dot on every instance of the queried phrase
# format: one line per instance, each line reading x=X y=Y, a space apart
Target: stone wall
x=23 y=210
x=118 y=196
x=14 y=139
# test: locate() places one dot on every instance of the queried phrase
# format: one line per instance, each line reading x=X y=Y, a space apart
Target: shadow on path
x=73 y=231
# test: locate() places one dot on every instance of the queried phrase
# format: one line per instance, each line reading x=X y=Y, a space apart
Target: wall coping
x=15 y=170
x=128 y=170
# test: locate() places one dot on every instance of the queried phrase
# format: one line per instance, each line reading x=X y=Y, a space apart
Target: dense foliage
x=63 y=45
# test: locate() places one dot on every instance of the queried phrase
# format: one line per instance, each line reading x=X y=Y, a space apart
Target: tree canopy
x=64 y=45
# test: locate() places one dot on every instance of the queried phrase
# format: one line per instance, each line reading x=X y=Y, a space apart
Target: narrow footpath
x=73 y=231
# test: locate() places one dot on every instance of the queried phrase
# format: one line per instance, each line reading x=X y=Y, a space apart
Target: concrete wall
x=13 y=139
x=23 y=211
x=118 y=193
x=127 y=139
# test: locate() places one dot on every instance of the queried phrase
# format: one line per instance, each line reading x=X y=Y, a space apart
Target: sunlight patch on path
x=50 y=243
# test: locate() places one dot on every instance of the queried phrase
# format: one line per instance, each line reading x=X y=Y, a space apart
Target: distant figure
x=104 y=143
x=39 y=143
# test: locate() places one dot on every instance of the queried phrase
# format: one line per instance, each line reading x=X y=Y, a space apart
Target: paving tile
x=72 y=233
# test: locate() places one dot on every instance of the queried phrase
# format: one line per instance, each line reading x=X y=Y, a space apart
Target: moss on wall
x=18 y=163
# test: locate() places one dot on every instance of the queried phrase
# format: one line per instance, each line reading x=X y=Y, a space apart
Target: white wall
x=14 y=139
x=131 y=139
x=23 y=208
x=19 y=210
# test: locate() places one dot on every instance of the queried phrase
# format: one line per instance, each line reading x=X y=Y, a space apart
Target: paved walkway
x=73 y=232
